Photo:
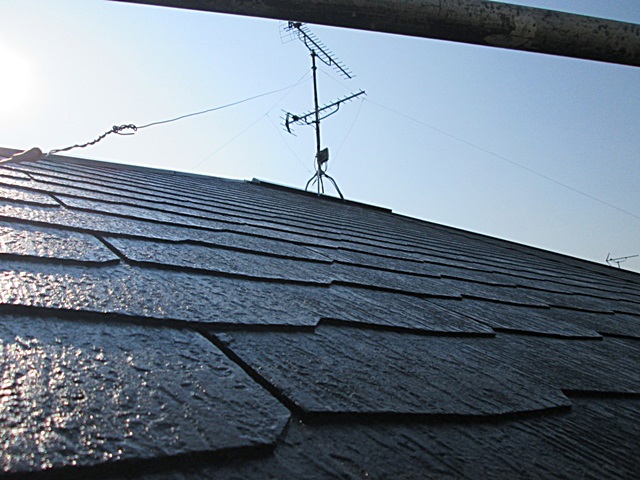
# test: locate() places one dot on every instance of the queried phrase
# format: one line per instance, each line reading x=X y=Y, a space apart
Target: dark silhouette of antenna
x=320 y=51
x=618 y=260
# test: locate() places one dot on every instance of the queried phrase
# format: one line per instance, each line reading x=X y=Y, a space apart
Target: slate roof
x=157 y=324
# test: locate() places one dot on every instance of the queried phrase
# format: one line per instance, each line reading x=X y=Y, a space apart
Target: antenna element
x=618 y=260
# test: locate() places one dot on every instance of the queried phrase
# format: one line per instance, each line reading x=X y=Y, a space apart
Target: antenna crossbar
x=309 y=118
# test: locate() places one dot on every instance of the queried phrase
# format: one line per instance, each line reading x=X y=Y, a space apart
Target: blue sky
x=436 y=138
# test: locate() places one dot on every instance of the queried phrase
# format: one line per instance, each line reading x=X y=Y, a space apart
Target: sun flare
x=16 y=81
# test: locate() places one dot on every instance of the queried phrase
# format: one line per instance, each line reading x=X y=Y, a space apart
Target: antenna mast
x=318 y=51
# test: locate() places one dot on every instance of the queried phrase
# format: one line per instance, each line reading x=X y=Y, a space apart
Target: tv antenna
x=314 y=117
x=618 y=260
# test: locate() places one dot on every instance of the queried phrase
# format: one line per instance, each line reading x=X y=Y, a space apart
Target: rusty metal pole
x=477 y=22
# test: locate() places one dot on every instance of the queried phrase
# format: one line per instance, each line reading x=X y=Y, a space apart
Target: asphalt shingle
x=523 y=319
x=343 y=370
x=77 y=394
x=27 y=196
x=43 y=242
x=219 y=260
x=558 y=446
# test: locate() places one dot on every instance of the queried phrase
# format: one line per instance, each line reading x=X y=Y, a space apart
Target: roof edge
x=115 y=165
x=623 y=274
x=279 y=186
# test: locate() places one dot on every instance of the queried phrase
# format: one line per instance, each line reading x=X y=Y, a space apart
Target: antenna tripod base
x=317 y=178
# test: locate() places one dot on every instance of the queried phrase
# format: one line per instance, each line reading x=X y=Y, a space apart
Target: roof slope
x=159 y=324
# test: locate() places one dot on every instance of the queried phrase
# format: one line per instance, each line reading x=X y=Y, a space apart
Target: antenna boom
x=314 y=44
x=308 y=118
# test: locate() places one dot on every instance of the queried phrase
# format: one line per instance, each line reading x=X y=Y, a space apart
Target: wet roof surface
x=163 y=325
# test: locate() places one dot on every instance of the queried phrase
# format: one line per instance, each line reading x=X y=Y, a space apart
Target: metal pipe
x=317 y=120
x=315 y=102
x=477 y=22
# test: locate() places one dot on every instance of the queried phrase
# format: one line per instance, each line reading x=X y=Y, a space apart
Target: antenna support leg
x=317 y=178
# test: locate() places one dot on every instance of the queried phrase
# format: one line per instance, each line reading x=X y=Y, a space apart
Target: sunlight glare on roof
x=17 y=81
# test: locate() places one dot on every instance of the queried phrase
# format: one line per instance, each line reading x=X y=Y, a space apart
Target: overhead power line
x=501 y=157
